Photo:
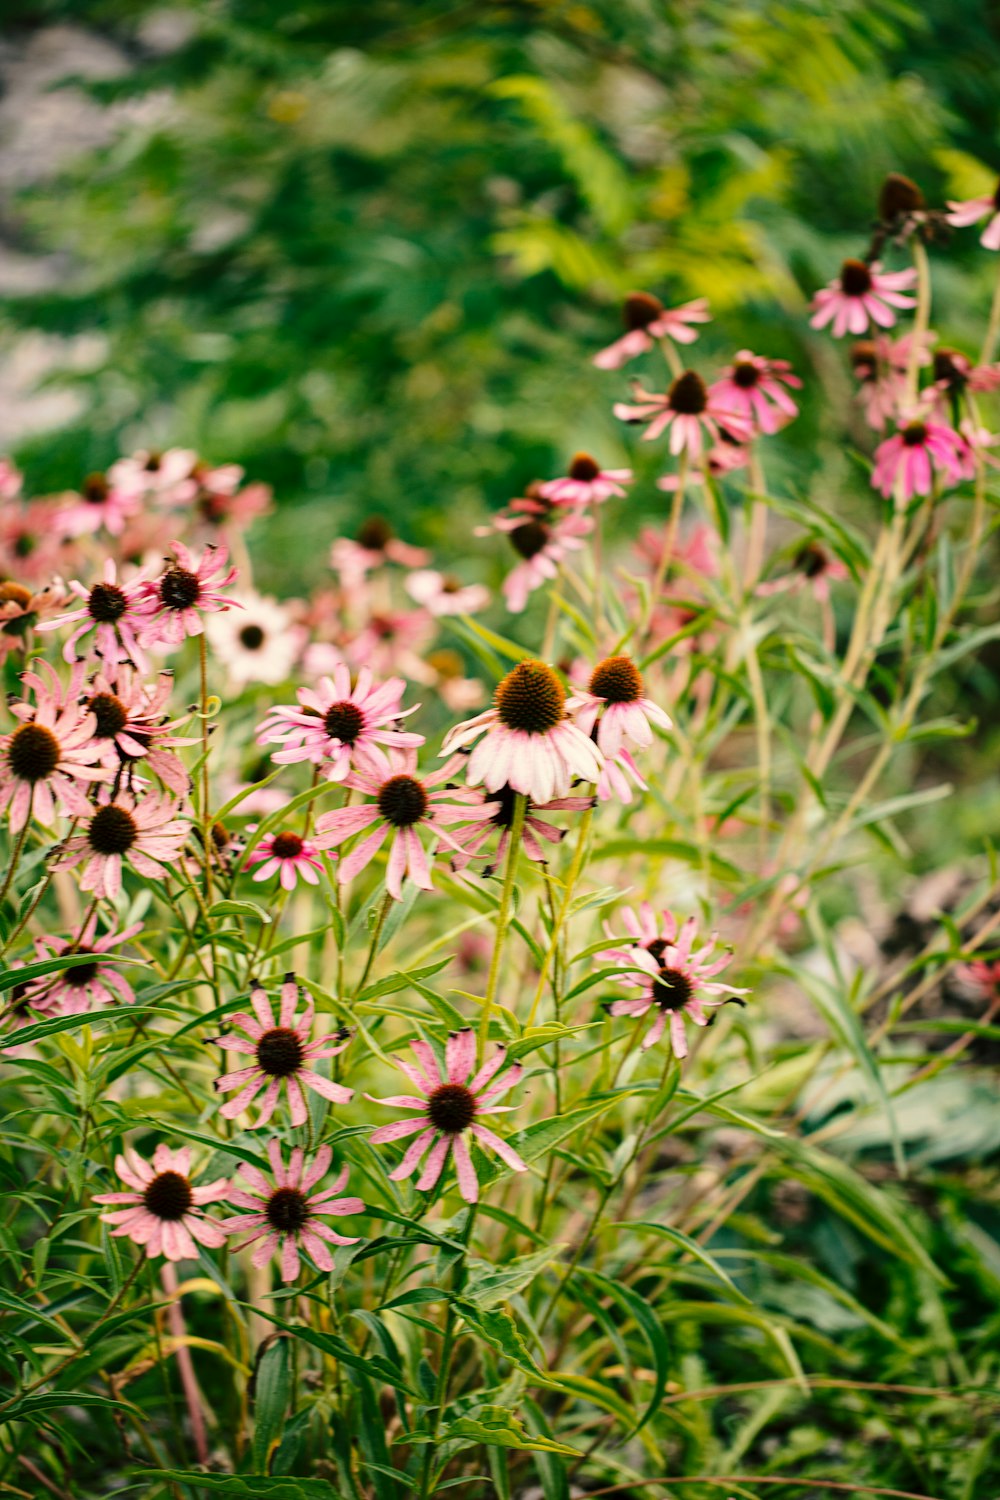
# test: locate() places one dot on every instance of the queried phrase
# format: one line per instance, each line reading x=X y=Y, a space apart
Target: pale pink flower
x=754 y=387
x=285 y=1216
x=954 y=374
x=49 y=754
x=614 y=709
x=542 y=540
x=174 y=603
x=981 y=975
x=690 y=410
x=619 y=774
x=860 y=295
x=375 y=545
x=31 y=548
x=163 y=1209
x=646 y=319
x=150 y=474
x=528 y=740
x=391 y=642
x=146 y=834
x=21 y=609
x=674 y=977
x=401 y=802
x=474 y=838
x=114 y=610
x=881 y=365
x=287 y=854
x=586 y=483
x=441 y=594
x=131 y=726
x=812 y=565
x=11 y=480
x=449 y=1111
x=224 y=509
x=82 y=986
x=339 y=726
x=910 y=458
x=99 y=503
x=282 y=1055
x=258 y=642
x=970 y=211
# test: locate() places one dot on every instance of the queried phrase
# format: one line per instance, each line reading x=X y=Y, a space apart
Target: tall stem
x=992 y=327
x=920 y=321
x=384 y=910
x=503 y=918
x=18 y=846
x=448 y=1344
x=185 y=1368
x=571 y=879
x=206 y=816
x=670 y=540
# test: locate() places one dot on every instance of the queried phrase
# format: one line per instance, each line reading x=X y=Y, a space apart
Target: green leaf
x=272 y=1391
x=247 y=1486
x=487 y=1285
x=239 y=909
x=646 y=1320
x=685 y=1242
x=11 y=977
x=539 y=1139
x=497 y=1428
x=328 y=1343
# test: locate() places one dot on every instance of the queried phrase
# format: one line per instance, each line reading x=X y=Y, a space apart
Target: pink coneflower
x=442 y=594
x=473 y=838
x=22 y=608
x=285 y=1216
x=449 y=1110
x=586 y=483
x=689 y=409
x=391 y=642
x=114 y=611
x=130 y=724
x=982 y=976
x=99 y=503
x=970 y=211
x=220 y=504
x=163 y=1209
x=287 y=854
x=339 y=726
x=529 y=742
x=955 y=373
x=401 y=803
x=146 y=834
x=149 y=473
x=618 y=775
x=675 y=979
x=282 y=1054
x=82 y=986
x=910 y=458
x=881 y=364
x=542 y=540
x=175 y=602
x=49 y=754
x=260 y=642
x=374 y=545
x=862 y=294
x=812 y=565
x=30 y=547
x=646 y=319
x=754 y=387
x=614 y=709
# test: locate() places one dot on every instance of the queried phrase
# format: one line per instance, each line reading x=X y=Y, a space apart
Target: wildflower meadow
x=470 y=1019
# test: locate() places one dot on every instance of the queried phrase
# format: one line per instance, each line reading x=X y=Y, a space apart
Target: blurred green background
x=368 y=250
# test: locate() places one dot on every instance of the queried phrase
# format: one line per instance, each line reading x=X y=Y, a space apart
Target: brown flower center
x=952 y=366
x=344 y=722
x=402 y=801
x=584 y=467
x=688 y=396
x=530 y=538
x=33 y=752
x=286 y=845
x=106 y=603
x=914 y=435
x=374 y=534
x=112 y=830
x=530 y=698
x=287 y=1210
x=900 y=195
x=81 y=973
x=279 y=1052
x=672 y=989
x=168 y=1196
x=95 y=489
x=617 y=679
x=180 y=588
x=251 y=637
x=811 y=560
x=864 y=359
x=640 y=309
x=110 y=713
x=451 y=1108
x=855 y=278
x=746 y=375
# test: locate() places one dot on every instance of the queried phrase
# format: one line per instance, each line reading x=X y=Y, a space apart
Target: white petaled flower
x=614 y=708
x=443 y=595
x=259 y=643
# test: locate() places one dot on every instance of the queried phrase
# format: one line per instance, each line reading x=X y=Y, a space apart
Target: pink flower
x=443 y=595
x=754 y=387
x=288 y=853
x=674 y=978
x=174 y=603
x=812 y=565
x=618 y=774
x=881 y=365
x=954 y=374
x=284 y=1215
x=82 y=986
x=473 y=838
x=862 y=294
x=542 y=540
x=146 y=834
x=341 y=727
x=529 y=742
x=401 y=802
x=114 y=611
x=22 y=608
x=910 y=458
x=375 y=545
x=646 y=319
x=282 y=1054
x=586 y=483
x=98 y=504
x=165 y=477
x=972 y=210
x=163 y=1209
x=982 y=976
x=614 y=709
x=130 y=725
x=449 y=1110
x=49 y=754
x=690 y=410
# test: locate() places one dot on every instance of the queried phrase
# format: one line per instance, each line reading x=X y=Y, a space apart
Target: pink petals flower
x=144 y=833
x=972 y=210
x=675 y=978
x=282 y=1055
x=754 y=388
x=614 y=709
x=542 y=539
x=646 y=319
x=174 y=603
x=49 y=754
x=162 y=1207
x=443 y=595
x=860 y=295
x=114 y=610
x=288 y=855
x=285 y=1216
x=691 y=410
x=586 y=483
x=81 y=986
x=908 y=461
x=340 y=727
x=449 y=1110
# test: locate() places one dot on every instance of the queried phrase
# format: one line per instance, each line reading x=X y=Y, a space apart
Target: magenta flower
x=972 y=210
x=646 y=319
x=614 y=710
x=676 y=978
x=174 y=603
x=754 y=387
x=282 y=1054
x=449 y=1110
x=149 y=474
x=163 y=1208
x=114 y=611
x=284 y=1215
x=49 y=754
x=690 y=410
x=586 y=483
x=860 y=295
x=374 y=545
x=812 y=565
x=443 y=595
x=146 y=834
x=131 y=726
x=542 y=541
x=401 y=802
x=287 y=854
x=954 y=374
x=473 y=838
x=982 y=976
x=341 y=727
x=910 y=458
x=528 y=740
x=82 y=986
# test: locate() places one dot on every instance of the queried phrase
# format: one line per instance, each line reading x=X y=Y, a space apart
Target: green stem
x=920 y=320
x=571 y=879
x=503 y=918
x=18 y=846
x=447 y=1346
x=373 y=947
